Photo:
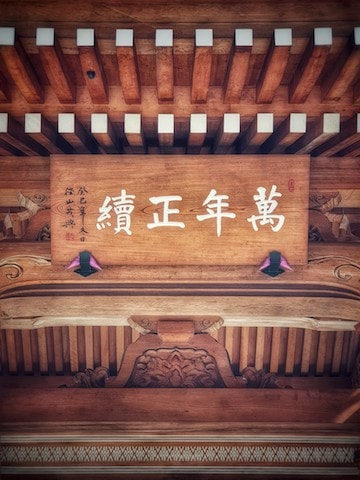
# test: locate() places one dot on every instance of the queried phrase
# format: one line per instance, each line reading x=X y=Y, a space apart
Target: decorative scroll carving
x=178 y=367
x=340 y=271
x=149 y=324
x=90 y=378
x=15 y=264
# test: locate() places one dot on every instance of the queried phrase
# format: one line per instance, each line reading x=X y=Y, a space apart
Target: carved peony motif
x=178 y=367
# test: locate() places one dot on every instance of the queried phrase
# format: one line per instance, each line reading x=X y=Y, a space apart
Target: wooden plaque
x=179 y=210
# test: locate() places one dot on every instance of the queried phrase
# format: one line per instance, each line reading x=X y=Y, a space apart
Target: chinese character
x=123 y=207
x=69 y=191
x=215 y=209
x=167 y=211
x=82 y=190
x=266 y=206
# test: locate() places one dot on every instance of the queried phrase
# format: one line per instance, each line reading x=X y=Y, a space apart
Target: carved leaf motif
x=177 y=368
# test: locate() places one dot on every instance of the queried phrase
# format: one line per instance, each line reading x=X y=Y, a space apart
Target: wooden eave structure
x=180 y=78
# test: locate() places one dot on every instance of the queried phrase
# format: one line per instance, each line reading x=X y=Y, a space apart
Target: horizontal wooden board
x=179 y=210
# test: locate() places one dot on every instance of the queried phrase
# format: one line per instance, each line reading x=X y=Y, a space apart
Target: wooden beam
x=346 y=140
x=103 y=131
x=54 y=62
x=274 y=65
x=166 y=129
x=238 y=65
x=69 y=405
x=311 y=65
x=228 y=132
x=257 y=133
x=345 y=70
x=19 y=66
x=198 y=130
x=128 y=66
x=318 y=132
x=202 y=65
x=91 y=65
x=43 y=132
x=164 y=65
x=75 y=133
x=290 y=130
x=134 y=132
x=12 y=132
x=4 y=89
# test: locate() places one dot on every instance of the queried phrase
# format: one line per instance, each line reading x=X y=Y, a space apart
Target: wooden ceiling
x=179 y=78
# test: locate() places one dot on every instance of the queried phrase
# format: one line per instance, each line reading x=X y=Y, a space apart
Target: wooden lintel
x=127 y=406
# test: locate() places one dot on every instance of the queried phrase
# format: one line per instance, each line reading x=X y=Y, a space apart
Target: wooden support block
x=55 y=66
x=164 y=65
x=128 y=66
x=133 y=132
x=103 y=131
x=202 y=65
x=19 y=66
x=257 y=133
x=238 y=65
x=311 y=65
x=345 y=70
x=198 y=130
x=292 y=128
x=318 y=133
x=274 y=65
x=228 y=133
x=91 y=65
x=166 y=129
x=74 y=132
x=344 y=142
x=43 y=132
x=12 y=132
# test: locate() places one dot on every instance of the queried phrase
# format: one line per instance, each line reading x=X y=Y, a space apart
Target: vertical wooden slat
x=91 y=65
x=290 y=355
x=336 y=360
x=353 y=349
x=104 y=345
x=112 y=350
x=274 y=65
x=19 y=352
x=275 y=347
x=35 y=351
x=202 y=65
x=97 y=346
x=73 y=348
x=27 y=351
x=259 y=349
x=232 y=345
x=11 y=349
x=89 y=347
x=164 y=65
x=239 y=59
x=244 y=347
x=66 y=349
x=128 y=66
x=119 y=332
x=298 y=350
x=50 y=350
x=81 y=347
x=311 y=65
x=43 y=356
x=58 y=350
x=321 y=352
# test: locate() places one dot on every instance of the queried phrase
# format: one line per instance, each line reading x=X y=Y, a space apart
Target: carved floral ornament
x=346 y=270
